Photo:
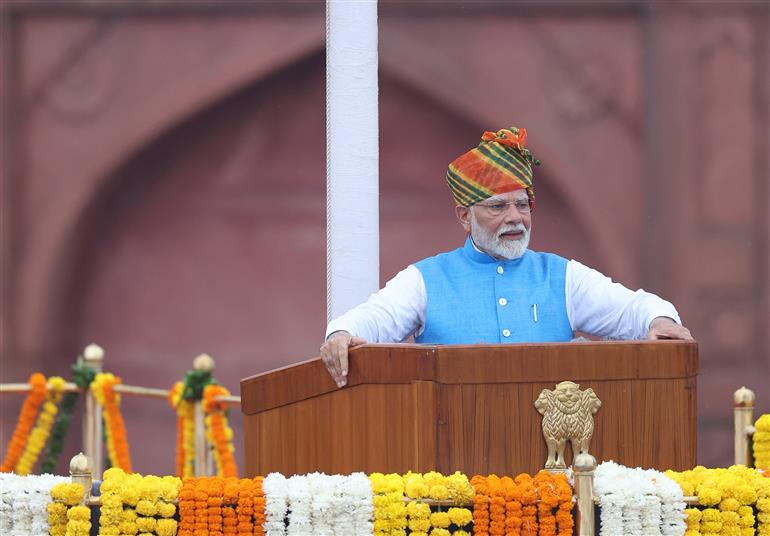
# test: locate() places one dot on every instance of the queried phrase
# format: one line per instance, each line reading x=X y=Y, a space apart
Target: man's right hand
x=334 y=353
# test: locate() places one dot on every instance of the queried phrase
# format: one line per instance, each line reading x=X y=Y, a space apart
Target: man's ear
x=463 y=216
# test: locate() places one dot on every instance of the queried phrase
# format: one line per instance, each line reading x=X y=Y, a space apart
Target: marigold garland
x=103 y=389
x=390 y=515
x=66 y=516
x=39 y=435
x=230 y=500
x=545 y=486
x=27 y=416
x=218 y=431
x=727 y=498
x=82 y=376
x=761 y=442
x=496 y=506
x=529 y=504
x=185 y=430
x=480 y=505
x=187 y=507
x=513 y=510
x=259 y=507
x=564 y=518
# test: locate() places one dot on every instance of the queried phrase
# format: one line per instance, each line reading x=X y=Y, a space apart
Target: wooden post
x=93 y=356
x=80 y=473
x=584 y=466
x=203 y=363
x=743 y=416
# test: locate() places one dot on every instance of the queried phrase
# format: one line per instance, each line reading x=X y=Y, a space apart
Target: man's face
x=497 y=228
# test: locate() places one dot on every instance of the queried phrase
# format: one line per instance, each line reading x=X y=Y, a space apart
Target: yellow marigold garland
x=66 y=516
x=435 y=486
x=390 y=517
x=761 y=442
x=27 y=415
x=39 y=435
x=218 y=432
x=185 y=431
x=727 y=498
x=117 y=443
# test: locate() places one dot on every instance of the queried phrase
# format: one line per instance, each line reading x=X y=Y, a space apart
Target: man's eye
x=497 y=206
x=522 y=204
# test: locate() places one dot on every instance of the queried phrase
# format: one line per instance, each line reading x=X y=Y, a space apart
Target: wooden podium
x=469 y=408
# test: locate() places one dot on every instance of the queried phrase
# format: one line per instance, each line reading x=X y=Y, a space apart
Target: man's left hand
x=663 y=327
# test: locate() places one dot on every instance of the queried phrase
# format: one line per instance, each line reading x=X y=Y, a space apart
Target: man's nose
x=512 y=214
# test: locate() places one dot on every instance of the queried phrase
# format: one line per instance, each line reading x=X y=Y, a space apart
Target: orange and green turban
x=501 y=163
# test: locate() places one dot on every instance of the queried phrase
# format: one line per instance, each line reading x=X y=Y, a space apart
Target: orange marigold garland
x=549 y=500
x=259 y=507
x=218 y=431
x=187 y=508
x=245 y=507
x=512 y=506
x=27 y=416
x=529 y=504
x=103 y=389
x=564 y=517
x=230 y=500
x=496 y=506
x=39 y=436
x=480 y=505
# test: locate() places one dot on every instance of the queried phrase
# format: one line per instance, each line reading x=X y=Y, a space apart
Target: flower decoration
x=29 y=410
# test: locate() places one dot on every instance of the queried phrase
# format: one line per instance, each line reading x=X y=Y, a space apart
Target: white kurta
x=595 y=305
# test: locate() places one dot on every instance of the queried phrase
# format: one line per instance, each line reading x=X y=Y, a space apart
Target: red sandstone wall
x=163 y=175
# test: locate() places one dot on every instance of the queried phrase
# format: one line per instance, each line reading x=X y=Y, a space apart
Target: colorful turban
x=501 y=163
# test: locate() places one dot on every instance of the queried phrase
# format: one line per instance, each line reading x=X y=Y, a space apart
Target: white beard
x=492 y=244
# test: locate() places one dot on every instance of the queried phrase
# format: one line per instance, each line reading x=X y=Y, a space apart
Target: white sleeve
x=392 y=314
x=599 y=306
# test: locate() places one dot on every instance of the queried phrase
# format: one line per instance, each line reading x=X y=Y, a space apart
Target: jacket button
x=506 y=333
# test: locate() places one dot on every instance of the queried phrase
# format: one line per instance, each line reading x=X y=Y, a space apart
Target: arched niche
x=212 y=237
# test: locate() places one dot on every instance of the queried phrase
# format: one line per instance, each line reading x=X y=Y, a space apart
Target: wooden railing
x=92 y=444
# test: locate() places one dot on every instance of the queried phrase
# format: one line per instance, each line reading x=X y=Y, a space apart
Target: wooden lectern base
x=469 y=408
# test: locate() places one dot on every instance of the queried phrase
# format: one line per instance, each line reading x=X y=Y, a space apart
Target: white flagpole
x=352 y=154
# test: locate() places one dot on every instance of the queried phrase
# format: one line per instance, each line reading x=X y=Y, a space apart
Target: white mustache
x=518 y=228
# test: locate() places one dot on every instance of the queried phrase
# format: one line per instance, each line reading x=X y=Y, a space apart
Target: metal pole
x=584 y=466
x=352 y=154
x=743 y=417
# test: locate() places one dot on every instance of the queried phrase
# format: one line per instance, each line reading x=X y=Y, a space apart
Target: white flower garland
x=275 y=488
x=300 y=501
x=318 y=504
x=23 y=501
x=638 y=502
x=357 y=491
x=672 y=504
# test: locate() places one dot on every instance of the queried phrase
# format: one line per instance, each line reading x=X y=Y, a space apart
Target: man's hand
x=334 y=353
x=663 y=327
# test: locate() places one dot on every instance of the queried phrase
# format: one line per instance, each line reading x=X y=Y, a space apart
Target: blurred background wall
x=163 y=175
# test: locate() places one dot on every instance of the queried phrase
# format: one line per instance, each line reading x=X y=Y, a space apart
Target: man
x=494 y=289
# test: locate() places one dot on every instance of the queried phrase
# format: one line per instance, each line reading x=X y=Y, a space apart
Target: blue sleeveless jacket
x=474 y=298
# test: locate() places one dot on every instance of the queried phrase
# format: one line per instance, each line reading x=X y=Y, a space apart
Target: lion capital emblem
x=567 y=416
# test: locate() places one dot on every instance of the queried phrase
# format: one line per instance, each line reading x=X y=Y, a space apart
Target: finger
x=327 y=355
x=339 y=352
x=328 y=361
